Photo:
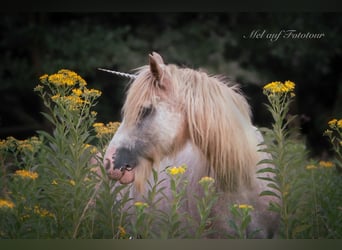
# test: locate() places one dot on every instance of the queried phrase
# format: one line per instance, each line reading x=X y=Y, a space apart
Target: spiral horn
x=130 y=76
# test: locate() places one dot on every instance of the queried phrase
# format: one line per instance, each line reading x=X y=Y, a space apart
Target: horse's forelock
x=140 y=92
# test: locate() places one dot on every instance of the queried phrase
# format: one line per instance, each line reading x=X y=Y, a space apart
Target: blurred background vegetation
x=32 y=44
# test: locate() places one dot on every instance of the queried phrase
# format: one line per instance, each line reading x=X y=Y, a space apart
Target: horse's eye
x=145 y=111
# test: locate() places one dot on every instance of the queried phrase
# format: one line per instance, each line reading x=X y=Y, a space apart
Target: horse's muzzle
x=121 y=166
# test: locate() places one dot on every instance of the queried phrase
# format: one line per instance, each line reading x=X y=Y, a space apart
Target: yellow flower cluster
x=140 y=204
x=92 y=92
x=71 y=90
x=64 y=77
x=206 y=180
x=279 y=87
x=244 y=206
x=122 y=232
x=91 y=148
x=326 y=164
x=323 y=164
x=86 y=92
x=77 y=92
x=6 y=204
x=311 y=166
x=72 y=102
x=26 y=174
x=30 y=144
x=4 y=145
x=42 y=212
x=334 y=123
x=103 y=130
x=176 y=170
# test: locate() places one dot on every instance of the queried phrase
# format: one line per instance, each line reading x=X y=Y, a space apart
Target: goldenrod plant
x=309 y=189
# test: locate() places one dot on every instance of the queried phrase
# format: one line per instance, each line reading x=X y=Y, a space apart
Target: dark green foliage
x=35 y=43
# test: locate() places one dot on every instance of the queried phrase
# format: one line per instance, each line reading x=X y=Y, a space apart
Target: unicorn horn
x=131 y=76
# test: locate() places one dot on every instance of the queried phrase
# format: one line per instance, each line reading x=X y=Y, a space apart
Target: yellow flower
x=98 y=125
x=92 y=92
x=72 y=182
x=122 y=232
x=38 y=88
x=206 y=180
x=244 y=206
x=289 y=85
x=56 y=97
x=311 y=166
x=94 y=169
x=176 y=170
x=24 y=217
x=42 y=212
x=108 y=129
x=6 y=204
x=26 y=174
x=86 y=179
x=3 y=145
x=326 y=164
x=54 y=182
x=74 y=102
x=77 y=92
x=43 y=77
x=339 y=123
x=279 y=87
x=140 y=204
x=332 y=123
x=93 y=150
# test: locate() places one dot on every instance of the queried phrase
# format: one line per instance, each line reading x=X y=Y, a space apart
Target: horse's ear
x=158 y=57
x=155 y=65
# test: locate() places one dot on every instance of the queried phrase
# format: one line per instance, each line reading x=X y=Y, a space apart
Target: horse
x=176 y=115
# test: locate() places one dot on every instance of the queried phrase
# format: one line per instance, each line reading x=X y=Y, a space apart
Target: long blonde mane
x=218 y=120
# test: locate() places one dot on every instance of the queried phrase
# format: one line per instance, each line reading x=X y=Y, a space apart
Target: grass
x=52 y=185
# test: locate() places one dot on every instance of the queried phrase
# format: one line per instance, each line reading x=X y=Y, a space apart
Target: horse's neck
x=192 y=157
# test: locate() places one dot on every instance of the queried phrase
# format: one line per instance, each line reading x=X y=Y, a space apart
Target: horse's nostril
x=128 y=167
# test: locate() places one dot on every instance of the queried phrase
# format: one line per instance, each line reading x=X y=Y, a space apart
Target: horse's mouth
x=123 y=175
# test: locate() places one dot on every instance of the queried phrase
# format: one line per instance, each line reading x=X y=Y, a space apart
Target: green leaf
x=233 y=225
x=275 y=207
x=274 y=186
x=299 y=229
x=46 y=135
x=48 y=117
x=267 y=170
x=266 y=161
x=267 y=179
x=269 y=193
